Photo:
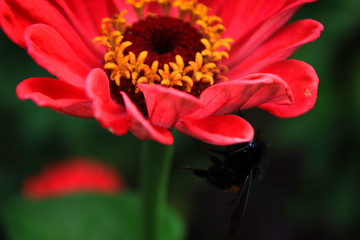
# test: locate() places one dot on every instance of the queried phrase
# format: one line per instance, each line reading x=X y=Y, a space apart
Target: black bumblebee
x=238 y=166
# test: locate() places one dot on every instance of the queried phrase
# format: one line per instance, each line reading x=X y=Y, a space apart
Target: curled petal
x=52 y=52
x=303 y=82
x=55 y=94
x=247 y=92
x=141 y=127
x=217 y=130
x=110 y=115
x=279 y=47
x=166 y=106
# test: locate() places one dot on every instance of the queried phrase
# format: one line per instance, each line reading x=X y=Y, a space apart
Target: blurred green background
x=311 y=189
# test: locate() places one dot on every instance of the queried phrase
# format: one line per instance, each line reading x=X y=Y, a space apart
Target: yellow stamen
x=184 y=6
x=165 y=5
x=138 y=6
x=155 y=66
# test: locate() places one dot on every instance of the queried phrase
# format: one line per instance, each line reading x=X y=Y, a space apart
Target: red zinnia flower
x=73 y=176
x=148 y=71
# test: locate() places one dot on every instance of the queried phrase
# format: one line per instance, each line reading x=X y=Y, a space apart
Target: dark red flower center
x=163 y=38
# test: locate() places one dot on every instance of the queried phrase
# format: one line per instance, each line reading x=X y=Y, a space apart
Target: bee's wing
x=238 y=213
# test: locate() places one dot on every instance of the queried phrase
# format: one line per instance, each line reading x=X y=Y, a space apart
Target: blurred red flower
x=75 y=175
x=181 y=56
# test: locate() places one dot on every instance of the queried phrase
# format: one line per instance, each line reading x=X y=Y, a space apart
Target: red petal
x=141 y=127
x=251 y=15
x=55 y=94
x=279 y=47
x=166 y=106
x=303 y=82
x=73 y=175
x=88 y=14
x=109 y=114
x=257 y=36
x=217 y=130
x=17 y=15
x=52 y=52
x=247 y=92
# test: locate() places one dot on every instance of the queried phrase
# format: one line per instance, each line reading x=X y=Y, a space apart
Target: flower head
x=149 y=66
x=74 y=175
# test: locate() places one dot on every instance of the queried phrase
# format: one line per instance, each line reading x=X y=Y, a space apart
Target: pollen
x=182 y=52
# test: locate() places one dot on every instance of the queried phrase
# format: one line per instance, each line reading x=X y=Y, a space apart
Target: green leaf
x=82 y=217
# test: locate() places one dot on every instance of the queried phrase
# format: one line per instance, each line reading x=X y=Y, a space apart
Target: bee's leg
x=198 y=172
x=216 y=151
x=241 y=149
x=215 y=181
x=216 y=161
x=208 y=175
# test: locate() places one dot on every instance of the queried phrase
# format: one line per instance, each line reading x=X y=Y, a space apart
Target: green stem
x=155 y=168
